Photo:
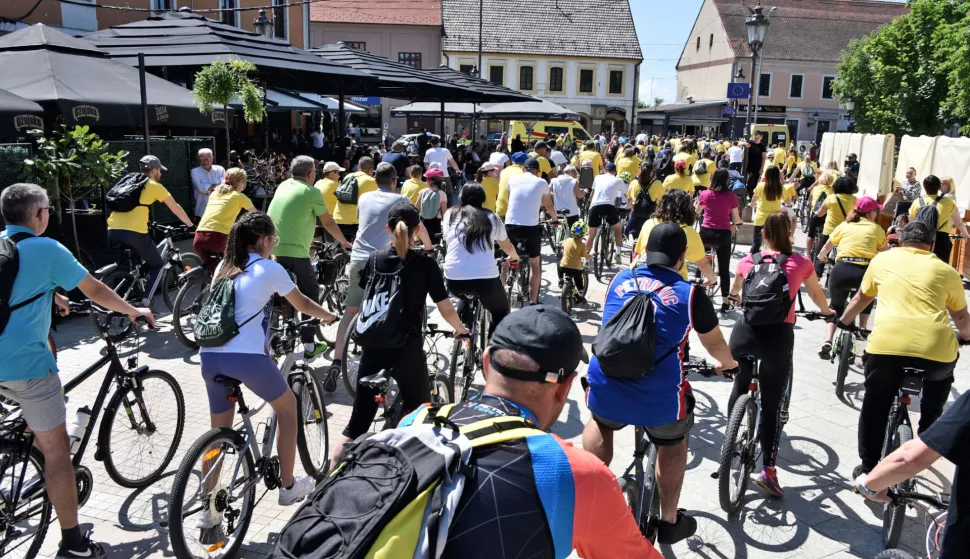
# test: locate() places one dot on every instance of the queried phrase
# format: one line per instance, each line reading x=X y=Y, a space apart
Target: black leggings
x=408 y=366
x=144 y=246
x=720 y=239
x=773 y=345
x=943 y=246
x=845 y=276
x=756 y=239
x=819 y=265
x=489 y=292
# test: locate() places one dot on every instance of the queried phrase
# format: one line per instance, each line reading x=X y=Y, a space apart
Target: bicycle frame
x=644 y=475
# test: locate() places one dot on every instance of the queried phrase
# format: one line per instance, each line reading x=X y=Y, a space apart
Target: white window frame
x=790 y=76
x=227 y=5
x=771 y=84
x=821 y=91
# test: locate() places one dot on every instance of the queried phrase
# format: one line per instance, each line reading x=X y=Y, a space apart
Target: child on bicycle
x=573 y=251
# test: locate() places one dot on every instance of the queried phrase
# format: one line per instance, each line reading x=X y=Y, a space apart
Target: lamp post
x=263 y=25
x=738 y=78
x=757 y=26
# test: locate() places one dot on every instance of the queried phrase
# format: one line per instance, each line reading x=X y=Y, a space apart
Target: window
x=496 y=75
x=827 y=87
x=279 y=19
x=228 y=13
x=163 y=5
x=466 y=68
x=711 y=44
x=555 y=78
x=357 y=45
x=526 y=78
x=764 y=85
x=698 y=42
x=616 y=82
x=586 y=81
x=795 y=87
x=412 y=59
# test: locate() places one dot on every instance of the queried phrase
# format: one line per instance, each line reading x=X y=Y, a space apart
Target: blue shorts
x=257 y=371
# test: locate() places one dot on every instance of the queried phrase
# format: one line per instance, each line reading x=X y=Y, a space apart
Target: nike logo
x=372 y=310
x=86 y=553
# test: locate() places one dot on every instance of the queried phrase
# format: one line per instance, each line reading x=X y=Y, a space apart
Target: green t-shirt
x=294 y=211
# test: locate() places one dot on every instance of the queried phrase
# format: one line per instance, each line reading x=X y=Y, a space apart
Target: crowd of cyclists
x=676 y=202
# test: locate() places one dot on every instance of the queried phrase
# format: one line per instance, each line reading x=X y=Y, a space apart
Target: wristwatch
x=861 y=488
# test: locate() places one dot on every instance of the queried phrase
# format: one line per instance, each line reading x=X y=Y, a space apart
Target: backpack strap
x=485 y=432
x=841 y=207
x=260 y=311
x=16 y=238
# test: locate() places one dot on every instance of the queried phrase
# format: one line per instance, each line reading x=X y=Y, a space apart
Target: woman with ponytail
x=418 y=276
x=225 y=204
x=256 y=278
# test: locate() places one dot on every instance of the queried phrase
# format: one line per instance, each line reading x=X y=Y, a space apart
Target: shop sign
x=616 y=111
x=366 y=100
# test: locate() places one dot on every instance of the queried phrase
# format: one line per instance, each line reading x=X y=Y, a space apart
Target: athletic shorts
x=665 y=435
x=349 y=230
x=41 y=401
x=257 y=371
x=601 y=213
x=355 y=293
x=527 y=236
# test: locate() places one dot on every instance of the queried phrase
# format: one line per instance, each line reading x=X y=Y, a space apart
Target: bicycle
x=199 y=496
x=128 y=277
x=389 y=396
x=518 y=287
x=570 y=291
x=562 y=233
x=466 y=353
x=195 y=287
x=934 y=532
x=844 y=350
x=548 y=231
x=330 y=261
x=605 y=250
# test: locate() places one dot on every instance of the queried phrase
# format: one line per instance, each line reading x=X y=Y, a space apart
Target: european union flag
x=738 y=90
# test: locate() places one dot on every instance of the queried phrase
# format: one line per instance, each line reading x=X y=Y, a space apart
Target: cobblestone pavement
x=818 y=517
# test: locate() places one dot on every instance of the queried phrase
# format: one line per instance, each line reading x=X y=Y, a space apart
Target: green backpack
x=216 y=324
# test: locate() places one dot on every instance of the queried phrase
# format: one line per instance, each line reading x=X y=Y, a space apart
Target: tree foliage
x=912 y=75
x=221 y=83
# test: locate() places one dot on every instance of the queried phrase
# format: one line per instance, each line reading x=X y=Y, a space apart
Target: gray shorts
x=355 y=293
x=665 y=435
x=41 y=401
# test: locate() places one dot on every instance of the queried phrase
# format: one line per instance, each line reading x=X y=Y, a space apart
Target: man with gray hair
x=295 y=209
x=399 y=159
x=205 y=178
x=28 y=374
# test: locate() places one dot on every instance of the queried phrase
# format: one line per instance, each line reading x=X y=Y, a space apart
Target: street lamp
x=263 y=25
x=757 y=26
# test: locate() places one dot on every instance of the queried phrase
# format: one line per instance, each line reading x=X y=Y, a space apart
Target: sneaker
x=302 y=486
x=579 y=299
x=684 y=528
x=330 y=377
x=209 y=520
x=768 y=480
x=318 y=349
x=618 y=258
x=88 y=550
x=725 y=307
x=826 y=351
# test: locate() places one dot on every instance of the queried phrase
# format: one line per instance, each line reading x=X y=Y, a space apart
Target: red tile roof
x=396 y=12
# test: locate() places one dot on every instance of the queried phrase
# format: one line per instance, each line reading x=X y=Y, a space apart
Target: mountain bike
x=548 y=232
x=605 y=250
x=219 y=474
x=570 y=291
x=562 y=234
x=466 y=353
x=330 y=261
x=518 y=286
x=934 y=532
x=844 y=350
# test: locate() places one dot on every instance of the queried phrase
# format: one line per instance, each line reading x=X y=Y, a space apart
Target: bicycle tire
x=187 y=305
x=115 y=328
x=566 y=297
x=186 y=472
x=631 y=496
x=458 y=381
x=734 y=240
x=743 y=415
x=845 y=352
x=599 y=256
x=893 y=517
x=549 y=230
x=442 y=391
x=894 y=554
x=333 y=298
x=150 y=445
x=351 y=351
x=653 y=519
x=714 y=288
x=7 y=487
x=172 y=285
x=311 y=410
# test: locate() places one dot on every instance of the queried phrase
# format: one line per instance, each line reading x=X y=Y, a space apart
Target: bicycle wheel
x=313 y=438
x=25 y=522
x=734 y=240
x=214 y=489
x=187 y=305
x=893 y=517
x=172 y=284
x=461 y=371
x=737 y=460
x=122 y=283
x=631 y=496
x=714 y=288
x=845 y=353
x=566 y=297
x=350 y=360
x=600 y=255
x=441 y=390
x=133 y=454
x=333 y=298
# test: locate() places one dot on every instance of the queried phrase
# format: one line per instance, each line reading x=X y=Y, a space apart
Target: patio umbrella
x=529 y=110
x=282 y=100
x=77 y=80
x=425 y=109
x=18 y=115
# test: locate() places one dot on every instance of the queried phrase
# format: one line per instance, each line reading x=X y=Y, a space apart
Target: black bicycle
x=518 y=284
x=844 y=350
x=899 y=500
x=330 y=261
x=466 y=352
x=389 y=397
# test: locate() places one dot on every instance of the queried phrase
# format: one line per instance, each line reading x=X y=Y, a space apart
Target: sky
x=662 y=28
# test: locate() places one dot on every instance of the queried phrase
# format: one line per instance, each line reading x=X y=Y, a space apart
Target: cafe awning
x=426 y=109
x=18 y=115
x=535 y=109
x=285 y=100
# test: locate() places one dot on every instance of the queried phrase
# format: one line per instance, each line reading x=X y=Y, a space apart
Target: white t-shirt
x=735 y=154
x=254 y=295
x=563 y=196
x=642 y=138
x=525 y=199
x=438 y=157
x=606 y=188
x=558 y=158
x=317 y=138
x=498 y=158
x=463 y=265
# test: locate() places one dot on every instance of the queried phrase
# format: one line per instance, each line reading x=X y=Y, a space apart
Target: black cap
x=666 y=244
x=545 y=334
x=541 y=145
x=406 y=212
x=532 y=163
x=610 y=166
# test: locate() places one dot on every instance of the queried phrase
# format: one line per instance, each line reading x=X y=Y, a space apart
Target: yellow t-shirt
x=502 y=202
x=491 y=192
x=346 y=214
x=766 y=207
x=137 y=219
x=915 y=288
x=573 y=252
x=834 y=216
x=655 y=191
x=593 y=156
x=686 y=158
x=817 y=192
x=790 y=164
x=944 y=208
x=778 y=156
x=328 y=187
x=675 y=182
x=221 y=211
x=627 y=165
x=695 y=247
x=705 y=178
x=861 y=239
x=412 y=189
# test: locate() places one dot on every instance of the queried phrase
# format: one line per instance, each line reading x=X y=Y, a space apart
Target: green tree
x=641 y=104
x=657 y=101
x=956 y=41
x=220 y=83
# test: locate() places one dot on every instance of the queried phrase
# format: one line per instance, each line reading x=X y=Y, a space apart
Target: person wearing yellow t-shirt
x=502 y=202
x=677 y=206
x=702 y=180
x=680 y=180
x=918 y=296
x=589 y=152
x=628 y=162
x=655 y=190
x=329 y=183
x=859 y=238
x=573 y=251
x=835 y=209
x=225 y=204
x=413 y=186
x=767 y=199
x=947 y=215
x=487 y=176
x=346 y=214
x=131 y=228
x=778 y=155
x=820 y=190
x=542 y=152
x=684 y=155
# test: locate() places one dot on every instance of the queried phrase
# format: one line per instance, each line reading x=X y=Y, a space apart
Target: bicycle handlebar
x=815 y=315
x=900 y=497
x=91 y=306
x=704 y=369
x=170 y=230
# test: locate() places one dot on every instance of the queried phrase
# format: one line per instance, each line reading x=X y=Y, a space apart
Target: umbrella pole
x=442 y=122
x=265 y=122
x=342 y=126
x=144 y=100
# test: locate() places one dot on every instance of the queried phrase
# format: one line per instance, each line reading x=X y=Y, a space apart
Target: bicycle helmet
x=626 y=177
x=579 y=229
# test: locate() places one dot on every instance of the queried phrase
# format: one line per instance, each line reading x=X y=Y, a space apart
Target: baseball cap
x=151 y=162
x=541 y=145
x=611 y=166
x=488 y=167
x=331 y=166
x=866 y=204
x=406 y=212
x=519 y=157
x=532 y=163
x=434 y=173
x=545 y=334
x=666 y=244
x=851 y=156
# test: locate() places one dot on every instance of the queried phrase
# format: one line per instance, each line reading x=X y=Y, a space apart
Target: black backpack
x=644 y=206
x=125 y=195
x=381 y=323
x=348 y=191
x=664 y=167
x=819 y=202
x=625 y=345
x=765 y=293
x=928 y=213
x=700 y=168
x=9 y=266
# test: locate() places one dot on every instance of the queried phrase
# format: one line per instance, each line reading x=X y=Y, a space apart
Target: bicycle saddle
x=912 y=382
x=227 y=381
x=119 y=247
x=375 y=381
